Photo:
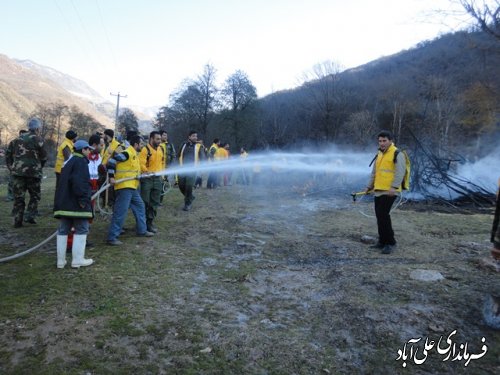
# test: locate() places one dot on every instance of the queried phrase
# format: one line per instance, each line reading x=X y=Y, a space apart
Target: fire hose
x=94 y=196
x=363 y=193
x=360 y=193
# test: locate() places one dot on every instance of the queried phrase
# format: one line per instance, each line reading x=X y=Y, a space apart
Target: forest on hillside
x=443 y=92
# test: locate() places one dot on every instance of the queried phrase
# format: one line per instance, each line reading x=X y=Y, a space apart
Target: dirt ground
x=253 y=280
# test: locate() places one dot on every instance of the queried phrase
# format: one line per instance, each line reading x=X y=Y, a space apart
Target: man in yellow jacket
x=126 y=165
x=190 y=155
x=170 y=158
x=64 y=152
x=111 y=145
x=152 y=159
x=212 y=182
x=385 y=182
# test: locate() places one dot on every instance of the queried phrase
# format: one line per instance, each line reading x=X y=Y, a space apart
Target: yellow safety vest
x=213 y=147
x=60 y=156
x=152 y=160
x=196 y=154
x=220 y=154
x=128 y=168
x=109 y=151
x=385 y=169
x=164 y=147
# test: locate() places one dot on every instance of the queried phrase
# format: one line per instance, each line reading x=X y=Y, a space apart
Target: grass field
x=253 y=280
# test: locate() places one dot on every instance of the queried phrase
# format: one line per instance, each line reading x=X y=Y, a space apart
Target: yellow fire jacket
x=385 y=169
x=60 y=156
x=151 y=159
x=128 y=168
x=108 y=152
x=221 y=154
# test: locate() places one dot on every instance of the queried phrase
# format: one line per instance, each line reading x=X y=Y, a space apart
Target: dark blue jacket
x=73 y=193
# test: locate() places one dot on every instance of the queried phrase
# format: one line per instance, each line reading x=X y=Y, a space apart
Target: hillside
x=67 y=82
x=23 y=86
x=445 y=90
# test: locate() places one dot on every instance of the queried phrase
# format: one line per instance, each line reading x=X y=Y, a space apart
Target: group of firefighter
x=135 y=167
x=132 y=166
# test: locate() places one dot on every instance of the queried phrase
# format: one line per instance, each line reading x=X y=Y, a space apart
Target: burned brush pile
x=436 y=179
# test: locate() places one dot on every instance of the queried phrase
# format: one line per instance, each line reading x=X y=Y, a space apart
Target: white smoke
x=485 y=172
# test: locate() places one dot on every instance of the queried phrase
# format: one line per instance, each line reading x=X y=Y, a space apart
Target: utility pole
x=117 y=108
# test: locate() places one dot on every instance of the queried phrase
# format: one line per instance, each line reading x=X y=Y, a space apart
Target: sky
x=146 y=48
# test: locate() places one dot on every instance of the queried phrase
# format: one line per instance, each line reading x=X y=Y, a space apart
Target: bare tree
x=58 y=111
x=127 y=121
x=239 y=95
x=442 y=110
x=486 y=13
x=322 y=82
x=208 y=90
x=360 y=127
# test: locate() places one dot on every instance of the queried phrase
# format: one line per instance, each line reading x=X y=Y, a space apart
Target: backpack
x=405 y=184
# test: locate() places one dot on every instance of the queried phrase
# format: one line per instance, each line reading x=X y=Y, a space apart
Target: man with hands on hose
x=126 y=165
x=385 y=182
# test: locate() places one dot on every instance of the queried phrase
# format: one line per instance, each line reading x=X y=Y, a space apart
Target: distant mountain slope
x=23 y=87
x=67 y=82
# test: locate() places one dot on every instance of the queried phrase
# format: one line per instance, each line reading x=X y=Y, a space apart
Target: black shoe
x=114 y=242
x=378 y=246
x=388 y=249
x=186 y=207
x=30 y=220
x=151 y=228
x=89 y=244
x=146 y=234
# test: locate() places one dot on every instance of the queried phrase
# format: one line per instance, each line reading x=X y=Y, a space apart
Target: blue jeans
x=66 y=223
x=125 y=199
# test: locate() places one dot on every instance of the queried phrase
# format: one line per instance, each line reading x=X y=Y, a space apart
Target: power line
x=92 y=46
x=71 y=29
x=107 y=35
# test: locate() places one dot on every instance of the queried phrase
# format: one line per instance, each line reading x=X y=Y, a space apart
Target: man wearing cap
x=72 y=206
x=64 y=152
x=25 y=160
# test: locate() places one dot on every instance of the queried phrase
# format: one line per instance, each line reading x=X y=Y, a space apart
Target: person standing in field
x=25 y=159
x=73 y=207
x=190 y=155
x=386 y=183
x=152 y=159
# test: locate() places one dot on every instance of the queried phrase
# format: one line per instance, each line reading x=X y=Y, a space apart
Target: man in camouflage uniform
x=10 y=193
x=25 y=159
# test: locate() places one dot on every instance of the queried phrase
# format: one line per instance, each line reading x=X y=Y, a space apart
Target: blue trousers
x=66 y=223
x=125 y=199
